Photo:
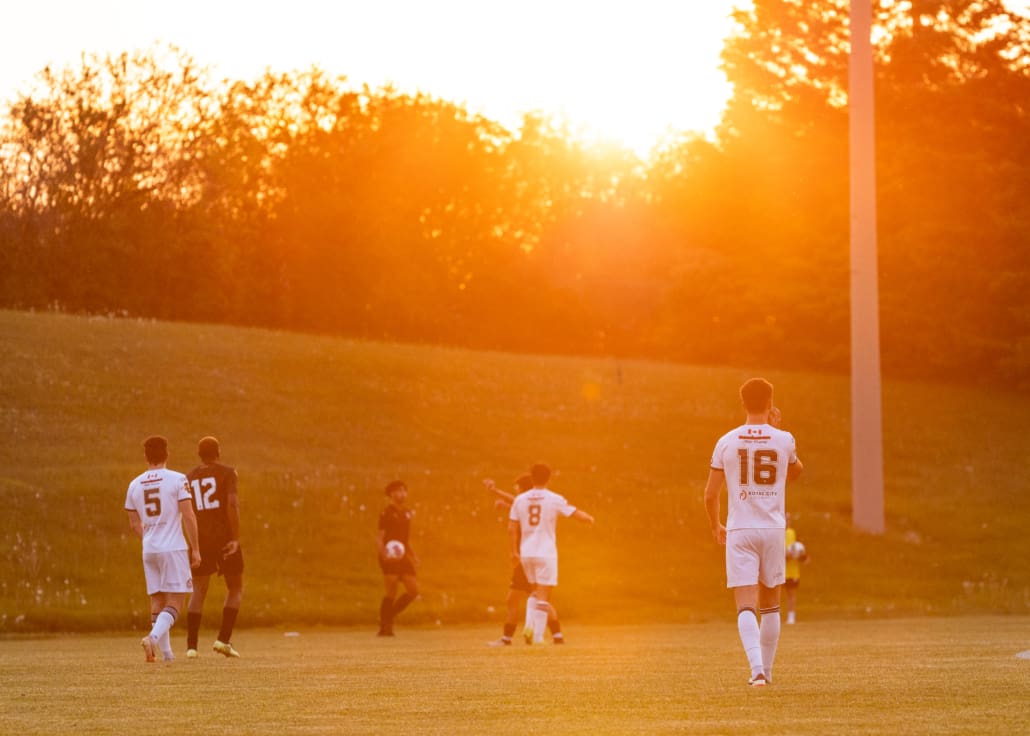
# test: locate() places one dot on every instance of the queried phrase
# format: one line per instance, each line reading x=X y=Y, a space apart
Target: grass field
x=899 y=677
x=318 y=425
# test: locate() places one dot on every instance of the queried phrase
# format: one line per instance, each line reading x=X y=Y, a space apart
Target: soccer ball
x=796 y=551
x=394 y=549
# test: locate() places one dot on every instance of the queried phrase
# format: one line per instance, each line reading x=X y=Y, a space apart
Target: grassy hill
x=316 y=427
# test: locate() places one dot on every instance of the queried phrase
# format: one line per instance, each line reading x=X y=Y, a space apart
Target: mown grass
x=318 y=425
x=900 y=677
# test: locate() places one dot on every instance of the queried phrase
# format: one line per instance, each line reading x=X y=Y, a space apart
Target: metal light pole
x=867 y=512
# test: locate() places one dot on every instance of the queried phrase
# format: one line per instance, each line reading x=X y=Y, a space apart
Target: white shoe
x=192 y=654
x=225 y=648
x=758 y=681
x=502 y=642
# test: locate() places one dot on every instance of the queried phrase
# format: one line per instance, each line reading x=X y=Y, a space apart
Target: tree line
x=135 y=184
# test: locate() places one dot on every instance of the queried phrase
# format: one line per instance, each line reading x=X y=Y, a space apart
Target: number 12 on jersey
x=203 y=493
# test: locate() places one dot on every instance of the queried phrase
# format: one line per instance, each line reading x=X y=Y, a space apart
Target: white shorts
x=168 y=572
x=541 y=570
x=755 y=556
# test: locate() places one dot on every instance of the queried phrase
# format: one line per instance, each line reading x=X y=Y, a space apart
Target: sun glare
x=623 y=76
x=617 y=72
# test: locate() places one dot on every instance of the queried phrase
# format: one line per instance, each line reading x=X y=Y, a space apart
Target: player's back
x=755 y=459
x=211 y=485
x=537 y=511
x=155 y=496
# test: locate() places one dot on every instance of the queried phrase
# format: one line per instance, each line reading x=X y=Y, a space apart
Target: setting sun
x=617 y=74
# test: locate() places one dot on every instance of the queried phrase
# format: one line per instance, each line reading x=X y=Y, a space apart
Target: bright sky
x=627 y=71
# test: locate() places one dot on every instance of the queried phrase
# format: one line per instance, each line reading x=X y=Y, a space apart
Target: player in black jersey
x=216 y=503
x=395 y=526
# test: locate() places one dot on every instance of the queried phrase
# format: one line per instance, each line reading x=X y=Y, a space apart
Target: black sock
x=228 y=622
x=401 y=603
x=192 y=629
x=509 y=629
x=385 y=610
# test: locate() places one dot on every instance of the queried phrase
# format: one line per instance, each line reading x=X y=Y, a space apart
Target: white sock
x=165 y=621
x=790 y=617
x=540 y=622
x=770 y=637
x=165 y=644
x=747 y=625
x=530 y=609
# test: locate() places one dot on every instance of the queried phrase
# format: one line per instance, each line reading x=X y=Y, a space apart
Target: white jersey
x=155 y=496
x=537 y=512
x=754 y=458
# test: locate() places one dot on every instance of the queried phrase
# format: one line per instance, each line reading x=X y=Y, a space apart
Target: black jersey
x=395 y=524
x=211 y=485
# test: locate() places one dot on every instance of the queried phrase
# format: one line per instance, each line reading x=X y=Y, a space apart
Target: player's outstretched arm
x=505 y=497
x=581 y=515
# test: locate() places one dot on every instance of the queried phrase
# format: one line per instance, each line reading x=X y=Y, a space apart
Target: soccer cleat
x=504 y=641
x=148 y=648
x=385 y=632
x=527 y=634
x=192 y=654
x=557 y=639
x=758 y=681
x=225 y=649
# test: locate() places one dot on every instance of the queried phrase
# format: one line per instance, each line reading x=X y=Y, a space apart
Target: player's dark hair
x=540 y=474
x=393 y=485
x=524 y=482
x=756 y=395
x=155 y=448
x=208 y=449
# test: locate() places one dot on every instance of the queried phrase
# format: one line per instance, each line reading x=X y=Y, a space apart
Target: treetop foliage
x=135 y=183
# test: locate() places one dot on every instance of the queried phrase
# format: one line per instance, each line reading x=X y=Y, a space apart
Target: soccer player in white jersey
x=754 y=462
x=521 y=590
x=532 y=527
x=159 y=506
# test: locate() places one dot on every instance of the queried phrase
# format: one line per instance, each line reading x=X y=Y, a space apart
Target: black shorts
x=792 y=582
x=212 y=560
x=403 y=567
x=519 y=580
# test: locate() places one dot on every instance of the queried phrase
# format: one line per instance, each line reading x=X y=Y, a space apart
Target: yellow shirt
x=793 y=566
